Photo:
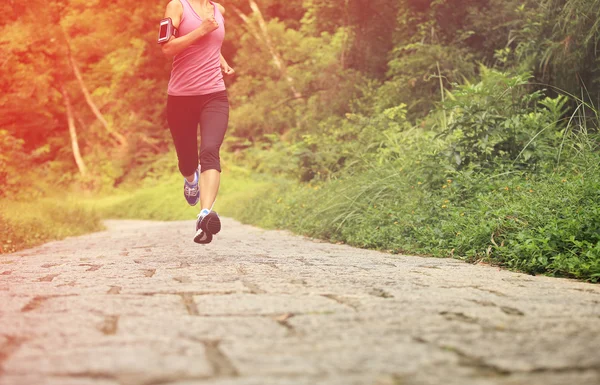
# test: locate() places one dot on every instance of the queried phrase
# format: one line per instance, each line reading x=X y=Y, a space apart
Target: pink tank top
x=197 y=69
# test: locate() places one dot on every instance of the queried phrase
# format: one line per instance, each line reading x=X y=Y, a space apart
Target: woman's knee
x=209 y=158
x=187 y=167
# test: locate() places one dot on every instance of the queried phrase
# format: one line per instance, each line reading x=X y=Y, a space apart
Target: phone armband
x=166 y=30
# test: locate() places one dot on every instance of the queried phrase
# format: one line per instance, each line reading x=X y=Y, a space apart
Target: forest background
x=464 y=128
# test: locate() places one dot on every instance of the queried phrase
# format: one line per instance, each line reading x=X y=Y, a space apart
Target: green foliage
x=359 y=57
x=9 y=172
x=122 y=68
x=443 y=41
x=369 y=23
x=498 y=122
x=542 y=225
x=416 y=70
x=479 y=179
x=24 y=225
x=162 y=198
x=559 y=39
x=407 y=125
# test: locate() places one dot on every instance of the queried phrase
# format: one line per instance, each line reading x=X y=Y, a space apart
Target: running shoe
x=202 y=237
x=191 y=191
x=207 y=225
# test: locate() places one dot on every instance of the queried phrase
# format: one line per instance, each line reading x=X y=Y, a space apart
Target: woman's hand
x=177 y=45
x=227 y=70
x=208 y=25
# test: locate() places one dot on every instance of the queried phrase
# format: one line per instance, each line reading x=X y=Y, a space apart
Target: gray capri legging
x=184 y=113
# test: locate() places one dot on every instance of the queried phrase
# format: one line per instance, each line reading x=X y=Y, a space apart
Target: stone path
x=141 y=304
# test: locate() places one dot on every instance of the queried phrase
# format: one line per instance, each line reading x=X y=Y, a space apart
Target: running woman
x=197 y=95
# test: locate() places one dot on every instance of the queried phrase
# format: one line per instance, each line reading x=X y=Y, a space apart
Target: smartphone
x=166 y=30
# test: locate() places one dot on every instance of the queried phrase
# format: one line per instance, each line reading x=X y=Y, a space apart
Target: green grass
x=543 y=225
x=24 y=225
x=163 y=199
x=540 y=225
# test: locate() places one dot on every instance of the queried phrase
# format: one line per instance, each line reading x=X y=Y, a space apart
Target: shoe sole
x=211 y=223
x=202 y=237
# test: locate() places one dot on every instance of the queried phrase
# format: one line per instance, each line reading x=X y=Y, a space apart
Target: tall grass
x=540 y=225
x=26 y=224
x=514 y=180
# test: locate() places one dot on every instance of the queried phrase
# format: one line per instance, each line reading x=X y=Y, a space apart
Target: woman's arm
x=177 y=44
x=227 y=70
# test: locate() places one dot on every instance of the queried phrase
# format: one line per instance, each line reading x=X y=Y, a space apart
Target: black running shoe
x=202 y=238
x=206 y=226
x=211 y=223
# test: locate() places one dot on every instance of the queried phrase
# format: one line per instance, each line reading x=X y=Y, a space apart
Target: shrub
x=499 y=123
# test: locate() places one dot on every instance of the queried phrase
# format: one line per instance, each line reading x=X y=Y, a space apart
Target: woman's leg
x=182 y=115
x=213 y=124
x=210 y=180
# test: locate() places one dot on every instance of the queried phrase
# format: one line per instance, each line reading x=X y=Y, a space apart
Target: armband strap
x=171 y=31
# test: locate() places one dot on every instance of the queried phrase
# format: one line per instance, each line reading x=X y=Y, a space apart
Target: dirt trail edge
x=141 y=304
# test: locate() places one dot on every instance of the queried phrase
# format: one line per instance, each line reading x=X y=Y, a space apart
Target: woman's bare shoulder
x=221 y=8
x=175 y=5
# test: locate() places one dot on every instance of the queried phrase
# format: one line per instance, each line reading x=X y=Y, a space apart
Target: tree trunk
x=262 y=34
x=346 y=29
x=73 y=132
x=88 y=98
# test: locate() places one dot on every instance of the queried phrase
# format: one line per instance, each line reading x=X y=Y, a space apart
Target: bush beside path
x=140 y=303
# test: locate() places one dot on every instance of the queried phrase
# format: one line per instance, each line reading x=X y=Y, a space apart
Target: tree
x=261 y=33
x=84 y=90
x=73 y=132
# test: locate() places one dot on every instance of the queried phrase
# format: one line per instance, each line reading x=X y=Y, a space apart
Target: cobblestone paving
x=141 y=304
